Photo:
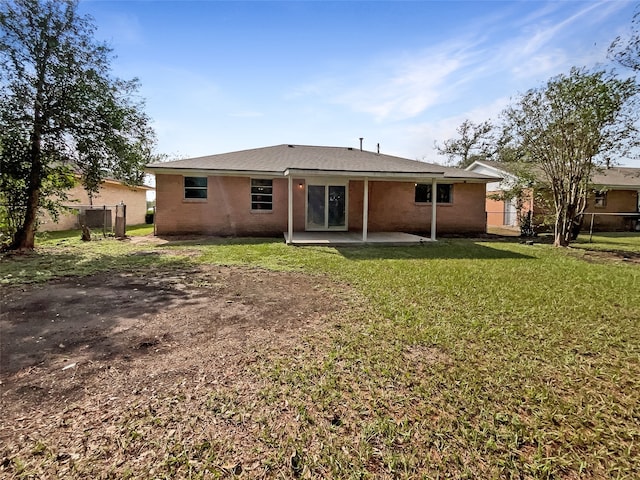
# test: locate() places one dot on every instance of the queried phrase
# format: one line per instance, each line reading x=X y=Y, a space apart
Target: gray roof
x=614 y=177
x=617 y=177
x=279 y=159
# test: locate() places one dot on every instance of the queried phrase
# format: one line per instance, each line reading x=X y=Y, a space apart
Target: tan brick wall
x=227 y=210
x=495 y=212
x=110 y=194
x=496 y=208
x=617 y=201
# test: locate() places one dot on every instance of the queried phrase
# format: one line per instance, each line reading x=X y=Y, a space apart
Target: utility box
x=95 y=218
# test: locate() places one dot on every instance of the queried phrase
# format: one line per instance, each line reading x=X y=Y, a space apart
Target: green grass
x=470 y=359
x=65 y=254
x=616 y=241
x=47 y=238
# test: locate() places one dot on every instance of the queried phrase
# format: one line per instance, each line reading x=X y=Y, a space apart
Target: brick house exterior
x=294 y=188
x=613 y=203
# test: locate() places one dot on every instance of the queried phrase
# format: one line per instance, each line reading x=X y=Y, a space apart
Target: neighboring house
x=501 y=213
x=613 y=204
x=296 y=188
x=111 y=193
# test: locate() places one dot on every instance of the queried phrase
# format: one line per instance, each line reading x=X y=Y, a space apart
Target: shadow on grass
x=195 y=240
x=444 y=250
x=41 y=266
x=447 y=249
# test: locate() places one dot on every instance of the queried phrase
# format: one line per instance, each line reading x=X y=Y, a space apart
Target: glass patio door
x=326 y=207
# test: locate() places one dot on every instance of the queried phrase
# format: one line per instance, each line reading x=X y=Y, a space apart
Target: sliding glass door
x=326 y=206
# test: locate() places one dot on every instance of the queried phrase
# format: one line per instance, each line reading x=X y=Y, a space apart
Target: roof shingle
x=280 y=158
x=605 y=177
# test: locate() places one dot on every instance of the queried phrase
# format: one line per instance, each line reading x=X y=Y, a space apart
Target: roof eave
x=355 y=174
x=209 y=171
x=615 y=186
x=395 y=176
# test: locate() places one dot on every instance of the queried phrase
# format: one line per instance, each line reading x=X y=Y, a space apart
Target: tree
x=62 y=113
x=626 y=50
x=475 y=143
x=570 y=127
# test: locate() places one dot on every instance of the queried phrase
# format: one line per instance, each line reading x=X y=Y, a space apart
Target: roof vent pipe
x=378 y=149
x=361 y=138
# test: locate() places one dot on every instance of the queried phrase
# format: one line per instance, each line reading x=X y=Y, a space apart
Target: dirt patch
x=79 y=355
x=602 y=256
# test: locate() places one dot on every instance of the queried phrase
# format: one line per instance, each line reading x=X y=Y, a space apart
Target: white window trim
x=251 y=194
x=326 y=182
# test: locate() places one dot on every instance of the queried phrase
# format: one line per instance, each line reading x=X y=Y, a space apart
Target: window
x=261 y=194
x=195 y=187
x=444 y=194
x=423 y=193
x=600 y=199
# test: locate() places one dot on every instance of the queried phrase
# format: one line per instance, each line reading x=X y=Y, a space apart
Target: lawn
x=616 y=241
x=460 y=359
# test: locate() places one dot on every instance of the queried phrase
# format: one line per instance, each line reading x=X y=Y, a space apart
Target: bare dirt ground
x=117 y=374
x=604 y=256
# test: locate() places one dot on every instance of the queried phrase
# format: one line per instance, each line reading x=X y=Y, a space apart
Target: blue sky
x=224 y=76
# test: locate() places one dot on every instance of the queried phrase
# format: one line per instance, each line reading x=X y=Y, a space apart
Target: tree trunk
x=565 y=222
x=25 y=236
x=560 y=233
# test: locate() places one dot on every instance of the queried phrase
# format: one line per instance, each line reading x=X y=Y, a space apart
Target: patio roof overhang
x=361 y=175
x=386 y=176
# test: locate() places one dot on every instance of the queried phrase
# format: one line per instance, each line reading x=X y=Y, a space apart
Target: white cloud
x=402 y=87
x=395 y=88
x=406 y=90
x=533 y=54
x=542 y=64
x=501 y=51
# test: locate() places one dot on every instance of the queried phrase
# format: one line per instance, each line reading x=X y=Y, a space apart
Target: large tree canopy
x=475 y=142
x=567 y=128
x=61 y=112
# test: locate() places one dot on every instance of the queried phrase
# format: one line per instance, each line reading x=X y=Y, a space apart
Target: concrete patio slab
x=335 y=239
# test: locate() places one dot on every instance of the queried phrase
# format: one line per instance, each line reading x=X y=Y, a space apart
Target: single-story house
x=297 y=188
x=613 y=203
x=102 y=205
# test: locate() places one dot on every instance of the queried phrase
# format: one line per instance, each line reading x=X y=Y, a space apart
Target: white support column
x=365 y=210
x=434 y=198
x=290 y=212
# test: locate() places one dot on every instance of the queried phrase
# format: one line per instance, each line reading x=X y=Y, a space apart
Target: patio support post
x=434 y=199
x=290 y=212
x=365 y=210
